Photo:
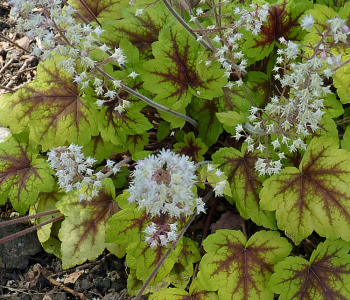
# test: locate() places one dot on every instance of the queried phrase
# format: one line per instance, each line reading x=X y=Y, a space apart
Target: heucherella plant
x=142 y=112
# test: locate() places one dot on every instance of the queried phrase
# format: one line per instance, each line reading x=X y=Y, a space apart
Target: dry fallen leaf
x=228 y=220
x=72 y=278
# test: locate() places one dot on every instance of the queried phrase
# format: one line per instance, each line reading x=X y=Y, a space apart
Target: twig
x=13 y=43
x=6 y=88
x=7 y=64
x=67 y=289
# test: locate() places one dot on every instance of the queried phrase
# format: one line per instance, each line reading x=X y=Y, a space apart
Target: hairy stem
x=26 y=218
x=184 y=24
x=23 y=232
x=149 y=101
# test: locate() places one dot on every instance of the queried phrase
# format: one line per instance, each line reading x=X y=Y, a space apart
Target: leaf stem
x=23 y=232
x=184 y=24
x=149 y=101
x=26 y=218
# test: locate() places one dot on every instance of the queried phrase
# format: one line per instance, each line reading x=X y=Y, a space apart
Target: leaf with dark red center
x=172 y=74
x=245 y=184
x=282 y=21
x=240 y=269
x=23 y=175
x=326 y=276
x=192 y=147
x=83 y=231
x=52 y=108
x=102 y=9
x=315 y=196
x=141 y=31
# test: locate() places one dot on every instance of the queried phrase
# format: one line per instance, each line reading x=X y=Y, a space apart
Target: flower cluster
x=73 y=170
x=57 y=31
x=297 y=112
x=163 y=185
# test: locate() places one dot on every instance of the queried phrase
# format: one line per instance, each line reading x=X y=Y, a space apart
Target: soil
x=26 y=271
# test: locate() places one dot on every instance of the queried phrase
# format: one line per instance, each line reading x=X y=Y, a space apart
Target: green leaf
x=163 y=130
x=143 y=258
x=336 y=5
x=83 y=231
x=141 y=31
x=102 y=9
x=192 y=147
x=325 y=276
x=315 y=196
x=240 y=269
x=137 y=142
x=345 y=142
x=47 y=202
x=245 y=184
x=172 y=74
x=341 y=80
x=283 y=21
x=209 y=126
x=23 y=175
x=52 y=108
x=230 y=118
x=126 y=226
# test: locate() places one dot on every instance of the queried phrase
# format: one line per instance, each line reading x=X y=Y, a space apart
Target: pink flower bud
x=323 y=55
x=345 y=29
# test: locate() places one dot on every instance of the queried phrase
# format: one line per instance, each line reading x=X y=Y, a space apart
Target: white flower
x=138 y=12
x=307 y=22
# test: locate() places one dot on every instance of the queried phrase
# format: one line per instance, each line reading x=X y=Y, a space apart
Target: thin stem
x=119 y=164
x=26 y=218
x=23 y=232
x=184 y=24
x=149 y=101
x=343 y=121
x=89 y=11
x=172 y=246
x=13 y=43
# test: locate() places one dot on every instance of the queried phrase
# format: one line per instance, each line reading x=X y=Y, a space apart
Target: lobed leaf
x=23 y=175
x=240 y=269
x=315 y=196
x=325 y=276
x=245 y=184
x=83 y=231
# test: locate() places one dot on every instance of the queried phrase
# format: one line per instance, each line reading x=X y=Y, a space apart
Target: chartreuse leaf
x=325 y=276
x=240 y=269
x=192 y=147
x=52 y=108
x=282 y=21
x=341 y=80
x=336 y=5
x=314 y=196
x=102 y=9
x=230 y=118
x=345 y=142
x=172 y=74
x=126 y=226
x=181 y=294
x=23 y=175
x=141 y=31
x=182 y=271
x=46 y=202
x=83 y=231
x=143 y=258
x=245 y=184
